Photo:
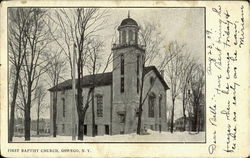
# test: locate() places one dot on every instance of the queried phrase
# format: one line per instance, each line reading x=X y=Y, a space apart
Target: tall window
x=160 y=99
x=123 y=36
x=99 y=100
x=138 y=84
x=64 y=108
x=138 y=65
x=137 y=72
x=130 y=35
x=122 y=64
x=136 y=36
x=122 y=73
x=151 y=103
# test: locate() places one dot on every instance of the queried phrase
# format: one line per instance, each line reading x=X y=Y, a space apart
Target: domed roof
x=129 y=21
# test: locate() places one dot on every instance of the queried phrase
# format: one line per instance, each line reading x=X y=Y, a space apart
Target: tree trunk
x=184 y=114
x=54 y=113
x=184 y=122
x=195 y=118
x=37 y=122
x=93 y=115
x=140 y=105
x=81 y=127
x=81 y=116
x=172 y=117
x=27 y=114
x=198 y=119
x=184 y=97
x=12 y=109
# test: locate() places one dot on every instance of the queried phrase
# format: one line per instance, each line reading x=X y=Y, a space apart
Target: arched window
x=152 y=80
x=151 y=105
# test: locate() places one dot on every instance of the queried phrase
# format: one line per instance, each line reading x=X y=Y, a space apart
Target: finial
x=128 y=13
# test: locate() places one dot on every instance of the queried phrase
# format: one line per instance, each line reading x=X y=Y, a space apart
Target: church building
x=117 y=93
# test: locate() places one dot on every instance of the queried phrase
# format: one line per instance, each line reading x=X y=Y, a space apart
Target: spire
x=128 y=13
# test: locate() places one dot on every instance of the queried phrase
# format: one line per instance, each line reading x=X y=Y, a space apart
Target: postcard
x=125 y=79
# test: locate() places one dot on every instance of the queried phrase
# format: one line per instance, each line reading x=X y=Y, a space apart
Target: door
x=85 y=130
x=96 y=130
x=107 y=129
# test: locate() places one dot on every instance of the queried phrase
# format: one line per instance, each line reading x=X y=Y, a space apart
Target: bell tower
x=128 y=58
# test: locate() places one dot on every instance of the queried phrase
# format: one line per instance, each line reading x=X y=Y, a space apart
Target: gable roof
x=149 y=68
x=102 y=79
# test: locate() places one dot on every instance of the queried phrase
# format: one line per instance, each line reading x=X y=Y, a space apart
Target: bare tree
x=55 y=72
x=34 y=62
x=93 y=65
x=19 y=23
x=174 y=72
x=40 y=94
x=151 y=39
x=76 y=26
x=187 y=70
x=197 y=95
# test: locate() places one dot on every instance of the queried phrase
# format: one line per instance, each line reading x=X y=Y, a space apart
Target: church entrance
x=107 y=129
x=122 y=122
x=85 y=130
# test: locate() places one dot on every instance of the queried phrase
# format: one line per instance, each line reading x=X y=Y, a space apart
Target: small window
x=122 y=118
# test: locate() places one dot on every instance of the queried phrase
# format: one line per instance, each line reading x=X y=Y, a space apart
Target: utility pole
x=74 y=94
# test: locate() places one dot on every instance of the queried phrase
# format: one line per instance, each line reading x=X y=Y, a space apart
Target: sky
x=184 y=25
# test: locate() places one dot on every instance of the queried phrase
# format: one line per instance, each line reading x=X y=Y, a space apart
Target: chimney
x=162 y=73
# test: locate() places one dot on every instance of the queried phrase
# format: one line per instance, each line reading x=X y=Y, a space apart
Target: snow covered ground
x=153 y=136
